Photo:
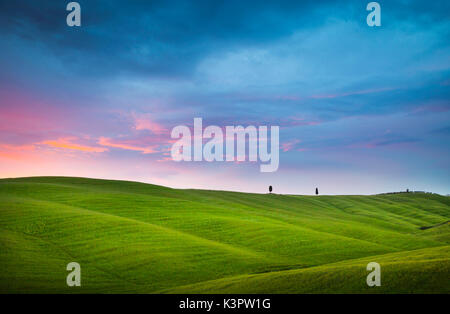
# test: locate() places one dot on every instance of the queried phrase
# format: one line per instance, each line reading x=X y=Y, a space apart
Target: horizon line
x=219 y=190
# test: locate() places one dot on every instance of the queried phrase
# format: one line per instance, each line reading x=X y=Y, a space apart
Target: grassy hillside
x=134 y=237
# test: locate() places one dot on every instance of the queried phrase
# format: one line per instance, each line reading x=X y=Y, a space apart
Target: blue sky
x=361 y=109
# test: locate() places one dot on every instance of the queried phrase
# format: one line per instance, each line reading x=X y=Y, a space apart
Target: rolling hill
x=132 y=237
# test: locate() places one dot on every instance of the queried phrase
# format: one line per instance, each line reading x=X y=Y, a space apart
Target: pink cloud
x=127 y=145
x=67 y=143
x=287 y=146
x=165 y=159
x=15 y=152
x=144 y=122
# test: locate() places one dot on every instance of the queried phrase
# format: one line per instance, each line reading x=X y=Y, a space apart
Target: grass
x=131 y=237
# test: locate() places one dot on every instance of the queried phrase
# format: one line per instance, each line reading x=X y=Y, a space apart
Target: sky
x=361 y=110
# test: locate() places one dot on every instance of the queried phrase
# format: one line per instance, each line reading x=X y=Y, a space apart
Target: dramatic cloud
x=108 y=93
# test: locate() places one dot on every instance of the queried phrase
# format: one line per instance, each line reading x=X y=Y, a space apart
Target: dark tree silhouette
x=407 y=190
x=317 y=191
x=270 y=189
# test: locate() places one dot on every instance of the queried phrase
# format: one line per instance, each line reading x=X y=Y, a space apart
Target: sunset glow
x=360 y=110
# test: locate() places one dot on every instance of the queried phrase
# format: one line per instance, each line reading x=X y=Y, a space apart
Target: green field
x=132 y=237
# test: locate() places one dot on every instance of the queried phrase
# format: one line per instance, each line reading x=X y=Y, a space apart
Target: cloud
x=67 y=143
x=144 y=122
x=127 y=145
x=16 y=152
x=314 y=69
x=153 y=38
x=361 y=92
x=288 y=146
x=395 y=141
